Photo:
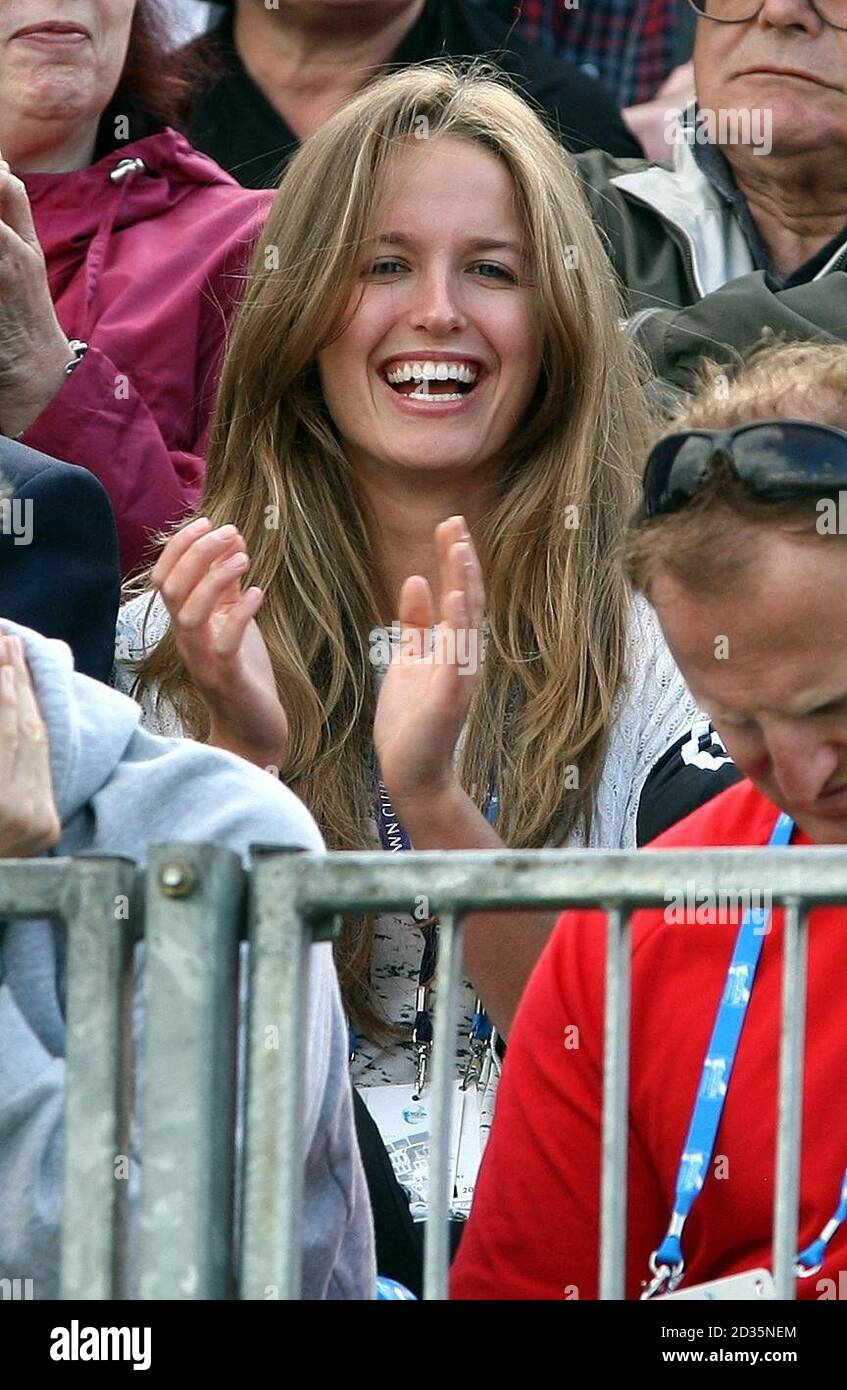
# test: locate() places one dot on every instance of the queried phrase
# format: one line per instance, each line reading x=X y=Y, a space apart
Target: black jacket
x=232 y=120
x=59 y=570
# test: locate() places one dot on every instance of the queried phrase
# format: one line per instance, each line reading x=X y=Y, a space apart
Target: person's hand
x=199 y=575
x=34 y=350
x=651 y=122
x=29 y=821
x=427 y=691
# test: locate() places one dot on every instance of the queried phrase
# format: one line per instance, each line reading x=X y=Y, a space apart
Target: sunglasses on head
x=776 y=460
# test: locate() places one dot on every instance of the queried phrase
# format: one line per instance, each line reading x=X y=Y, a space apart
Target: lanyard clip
x=475 y=1063
x=423 y=1051
x=491 y=1063
x=665 y=1279
x=480 y=1038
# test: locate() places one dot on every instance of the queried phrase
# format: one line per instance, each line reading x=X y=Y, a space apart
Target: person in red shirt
x=738 y=546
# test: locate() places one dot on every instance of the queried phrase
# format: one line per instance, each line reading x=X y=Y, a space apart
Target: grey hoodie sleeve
x=120 y=790
x=31 y=1083
x=338 y=1253
x=338 y=1256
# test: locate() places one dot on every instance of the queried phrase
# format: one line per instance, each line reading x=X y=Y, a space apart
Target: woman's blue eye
x=487 y=270
x=498 y=272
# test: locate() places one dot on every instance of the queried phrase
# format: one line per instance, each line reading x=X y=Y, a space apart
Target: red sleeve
x=534 y=1229
x=99 y=421
x=151 y=457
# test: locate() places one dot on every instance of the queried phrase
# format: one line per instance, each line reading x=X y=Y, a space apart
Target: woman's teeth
x=432 y=371
x=425 y=372
x=423 y=392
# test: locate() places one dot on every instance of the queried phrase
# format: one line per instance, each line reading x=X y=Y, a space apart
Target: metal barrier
x=193 y=906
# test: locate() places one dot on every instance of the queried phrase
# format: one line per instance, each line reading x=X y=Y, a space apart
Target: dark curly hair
x=156 y=84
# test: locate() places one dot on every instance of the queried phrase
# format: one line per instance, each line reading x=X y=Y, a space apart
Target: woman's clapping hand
x=199 y=575
x=427 y=692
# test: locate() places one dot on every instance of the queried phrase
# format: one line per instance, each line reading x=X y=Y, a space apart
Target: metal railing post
x=448 y=978
x=270 y=1263
x=194 y=908
x=194 y=915
x=789 y=1128
x=613 y=1185
x=101 y=912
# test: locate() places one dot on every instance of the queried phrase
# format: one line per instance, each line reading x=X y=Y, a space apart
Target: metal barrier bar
x=479 y=880
x=89 y=896
x=613 y=1182
x=789 y=1128
x=102 y=909
x=194 y=919
x=483 y=880
x=195 y=909
x=36 y=887
x=270 y=1260
x=448 y=978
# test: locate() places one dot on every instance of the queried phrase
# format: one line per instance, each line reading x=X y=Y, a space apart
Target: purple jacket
x=146 y=252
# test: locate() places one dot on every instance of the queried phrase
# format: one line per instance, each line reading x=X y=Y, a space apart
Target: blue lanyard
x=810 y=1260
x=393 y=837
x=667 y=1262
x=392 y=834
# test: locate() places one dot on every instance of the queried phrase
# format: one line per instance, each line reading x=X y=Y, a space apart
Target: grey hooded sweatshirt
x=119 y=789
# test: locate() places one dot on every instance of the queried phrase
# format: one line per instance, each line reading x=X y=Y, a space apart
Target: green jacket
x=689 y=284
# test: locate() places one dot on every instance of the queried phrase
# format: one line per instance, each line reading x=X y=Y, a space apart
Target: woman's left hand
x=34 y=351
x=427 y=691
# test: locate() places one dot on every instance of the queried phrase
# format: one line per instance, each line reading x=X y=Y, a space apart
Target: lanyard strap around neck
x=810 y=1260
x=394 y=838
x=667 y=1262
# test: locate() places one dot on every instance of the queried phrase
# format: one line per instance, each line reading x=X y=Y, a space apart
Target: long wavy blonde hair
x=557 y=600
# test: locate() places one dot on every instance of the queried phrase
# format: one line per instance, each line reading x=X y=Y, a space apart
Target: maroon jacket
x=146 y=261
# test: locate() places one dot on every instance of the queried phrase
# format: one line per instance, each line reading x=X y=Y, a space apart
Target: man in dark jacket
x=744 y=234
x=275 y=74
x=59 y=569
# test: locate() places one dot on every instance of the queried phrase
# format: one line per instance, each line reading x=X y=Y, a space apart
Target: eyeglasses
x=776 y=460
x=832 y=12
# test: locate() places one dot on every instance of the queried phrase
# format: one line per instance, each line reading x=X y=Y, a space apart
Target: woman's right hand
x=199 y=575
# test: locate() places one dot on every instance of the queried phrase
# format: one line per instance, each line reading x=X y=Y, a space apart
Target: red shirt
x=534 y=1228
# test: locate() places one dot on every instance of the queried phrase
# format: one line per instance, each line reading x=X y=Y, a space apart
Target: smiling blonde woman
x=427 y=414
